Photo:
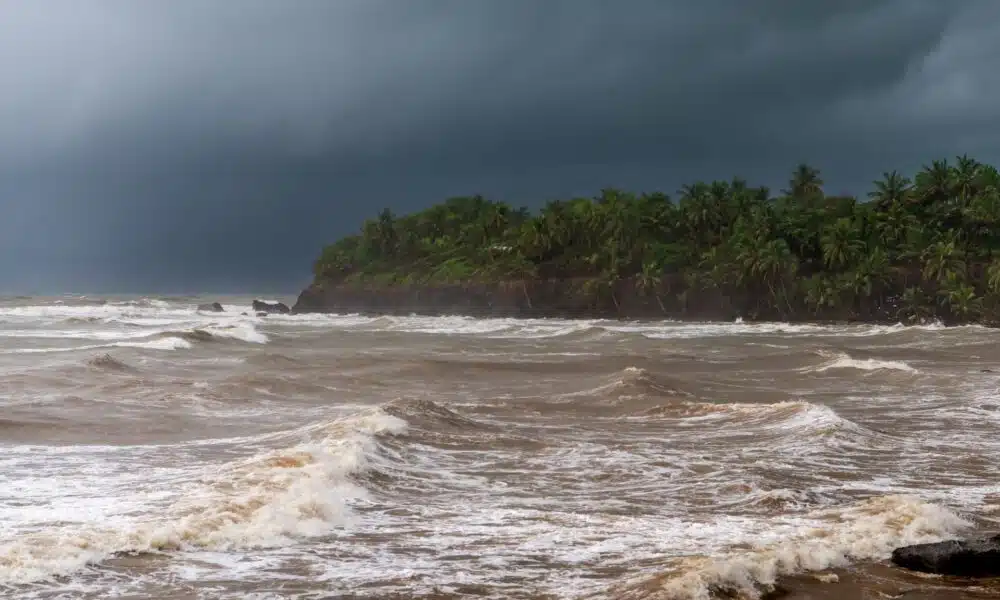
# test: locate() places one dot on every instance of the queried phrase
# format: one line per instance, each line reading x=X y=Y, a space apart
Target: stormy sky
x=216 y=145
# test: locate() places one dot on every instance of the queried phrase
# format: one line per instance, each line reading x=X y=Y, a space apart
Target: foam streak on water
x=155 y=451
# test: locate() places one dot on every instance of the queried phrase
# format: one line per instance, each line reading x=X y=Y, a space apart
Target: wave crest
x=635 y=381
x=268 y=500
x=869 y=530
x=845 y=361
x=430 y=415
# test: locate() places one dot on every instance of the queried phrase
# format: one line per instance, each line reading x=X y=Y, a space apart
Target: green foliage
x=914 y=249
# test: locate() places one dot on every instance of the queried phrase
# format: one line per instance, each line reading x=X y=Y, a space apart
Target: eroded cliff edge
x=557 y=298
x=522 y=299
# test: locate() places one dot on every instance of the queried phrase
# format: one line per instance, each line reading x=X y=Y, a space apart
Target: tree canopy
x=927 y=247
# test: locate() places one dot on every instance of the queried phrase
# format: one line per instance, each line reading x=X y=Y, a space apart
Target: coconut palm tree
x=820 y=293
x=842 y=245
x=649 y=280
x=993 y=277
x=960 y=298
x=893 y=188
x=913 y=306
x=943 y=260
x=805 y=183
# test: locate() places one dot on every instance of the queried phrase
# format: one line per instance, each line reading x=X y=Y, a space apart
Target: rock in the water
x=975 y=557
x=262 y=314
x=213 y=307
x=266 y=307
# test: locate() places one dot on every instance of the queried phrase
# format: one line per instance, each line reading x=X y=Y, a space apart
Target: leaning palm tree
x=649 y=280
x=820 y=293
x=603 y=286
x=913 y=306
x=993 y=277
x=776 y=266
x=876 y=273
x=961 y=298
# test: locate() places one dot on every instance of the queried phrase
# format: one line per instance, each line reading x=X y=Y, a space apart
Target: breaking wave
x=634 y=381
x=243 y=332
x=825 y=539
x=270 y=499
x=844 y=361
x=429 y=415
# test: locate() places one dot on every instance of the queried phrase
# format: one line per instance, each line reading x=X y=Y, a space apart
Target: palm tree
x=698 y=212
x=966 y=178
x=820 y=293
x=536 y=238
x=993 y=277
x=934 y=183
x=943 y=260
x=939 y=236
x=841 y=244
x=603 y=286
x=893 y=188
x=776 y=265
x=649 y=280
x=805 y=183
x=961 y=298
x=913 y=306
x=871 y=277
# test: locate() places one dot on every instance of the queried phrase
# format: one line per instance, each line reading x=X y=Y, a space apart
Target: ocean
x=148 y=450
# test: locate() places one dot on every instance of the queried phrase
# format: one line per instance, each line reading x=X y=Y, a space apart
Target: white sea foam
x=136 y=324
x=242 y=331
x=164 y=343
x=827 y=539
x=844 y=361
x=269 y=499
x=706 y=475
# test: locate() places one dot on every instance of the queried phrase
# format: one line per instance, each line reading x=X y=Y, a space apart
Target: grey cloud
x=171 y=139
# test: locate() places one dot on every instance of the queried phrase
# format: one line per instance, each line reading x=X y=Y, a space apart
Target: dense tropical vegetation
x=912 y=249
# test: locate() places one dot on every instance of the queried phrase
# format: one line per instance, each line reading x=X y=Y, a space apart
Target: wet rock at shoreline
x=266 y=307
x=211 y=307
x=974 y=557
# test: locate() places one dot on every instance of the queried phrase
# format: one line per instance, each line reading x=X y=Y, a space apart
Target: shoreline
x=562 y=299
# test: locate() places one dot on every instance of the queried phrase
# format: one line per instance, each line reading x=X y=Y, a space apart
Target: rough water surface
x=151 y=451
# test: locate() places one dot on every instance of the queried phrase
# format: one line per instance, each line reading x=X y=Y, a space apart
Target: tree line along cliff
x=911 y=249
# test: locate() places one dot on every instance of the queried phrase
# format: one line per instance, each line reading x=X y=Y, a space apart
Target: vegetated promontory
x=912 y=250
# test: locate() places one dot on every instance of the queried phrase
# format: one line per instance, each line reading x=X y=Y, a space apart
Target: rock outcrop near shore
x=268 y=308
x=975 y=557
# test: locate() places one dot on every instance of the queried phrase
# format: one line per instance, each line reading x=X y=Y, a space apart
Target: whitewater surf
x=151 y=450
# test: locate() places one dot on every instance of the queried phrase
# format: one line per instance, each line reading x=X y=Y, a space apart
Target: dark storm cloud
x=203 y=144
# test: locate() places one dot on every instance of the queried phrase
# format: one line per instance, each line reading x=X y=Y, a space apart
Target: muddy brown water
x=151 y=451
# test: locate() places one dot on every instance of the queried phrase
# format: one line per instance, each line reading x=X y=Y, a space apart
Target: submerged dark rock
x=266 y=307
x=974 y=557
x=211 y=307
x=106 y=361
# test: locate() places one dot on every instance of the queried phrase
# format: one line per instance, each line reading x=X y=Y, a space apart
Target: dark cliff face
x=565 y=298
x=521 y=299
